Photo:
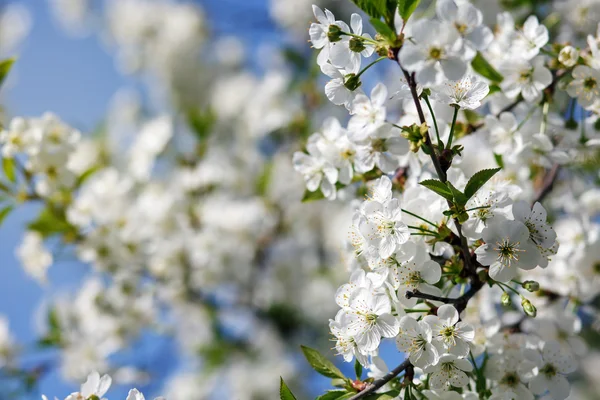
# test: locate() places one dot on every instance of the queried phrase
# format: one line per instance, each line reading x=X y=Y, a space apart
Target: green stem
x=449 y=146
x=366 y=39
x=419 y=217
x=544 y=124
x=423 y=234
x=414 y=310
x=370 y=65
x=529 y=114
x=437 y=131
x=422 y=229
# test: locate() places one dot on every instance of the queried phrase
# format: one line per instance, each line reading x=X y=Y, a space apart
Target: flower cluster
x=452 y=235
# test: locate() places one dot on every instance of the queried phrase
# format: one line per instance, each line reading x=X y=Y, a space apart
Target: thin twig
x=378 y=383
x=548 y=184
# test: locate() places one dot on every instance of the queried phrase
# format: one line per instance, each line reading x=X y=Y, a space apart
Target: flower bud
x=334 y=34
x=352 y=82
x=505 y=299
x=382 y=50
x=528 y=307
x=356 y=45
x=531 y=286
x=568 y=56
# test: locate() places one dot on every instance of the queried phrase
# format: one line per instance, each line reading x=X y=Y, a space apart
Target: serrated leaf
x=485 y=69
x=5 y=67
x=333 y=395
x=459 y=197
x=438 y=187
x=4 y=212
x=383 y=29
x=338 y=382
x=321 y=364
x=358 y=369
x=478 y=180
x=406 y=8
x=284 y=392
x=8 y=166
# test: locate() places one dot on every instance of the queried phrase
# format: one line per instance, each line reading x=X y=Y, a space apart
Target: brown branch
x=378 y=383
x=548 y=184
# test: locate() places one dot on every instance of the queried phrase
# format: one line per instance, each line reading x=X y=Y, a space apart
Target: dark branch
x=547 y=184
x=382 y=381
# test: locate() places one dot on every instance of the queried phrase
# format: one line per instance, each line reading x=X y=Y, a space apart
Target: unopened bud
x=531 y=286
x=334 y=34
x=352 y=82
x=382 y=51
x=356 y=45
x=528 y=307
x=505 y=299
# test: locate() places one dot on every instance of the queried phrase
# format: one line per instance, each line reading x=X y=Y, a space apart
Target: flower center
x=507 y=251
x=435 y=53
x=461 y=28
x=510 y=379
x=525 y=76
x=549 y=370
x=590 y=83
x=448 y=334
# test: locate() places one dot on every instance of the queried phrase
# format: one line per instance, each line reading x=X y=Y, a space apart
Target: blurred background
x=183 y=262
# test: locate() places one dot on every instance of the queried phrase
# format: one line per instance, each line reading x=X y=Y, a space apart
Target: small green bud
x=334 y=34
x=352 y=82
x=528 y=307
x=356 y=45
x=531 y=286
x=505 y=299
x=382 y=50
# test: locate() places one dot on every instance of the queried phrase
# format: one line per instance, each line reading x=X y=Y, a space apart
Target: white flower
x=383 y=150
x=317 y=171
x=451 y=335
x=381 y=225
x=502 y=130
x=415 y=338
x=449 y=371
x=585 y=86
x=369 y=318
x=345 y=344
x=533 y=37
x=336 y=90
x=435 y=53
x=552 y=366
x=319 y=37
x=507 y=248
x=93 y=386
x=568 y=56
x=368 y=115
x=525 y=78
x=540 y=232
x=511 y=371
x=17 y=138
x=34 y=256
x=466 y=93
x=467 y=20
x=419 y=273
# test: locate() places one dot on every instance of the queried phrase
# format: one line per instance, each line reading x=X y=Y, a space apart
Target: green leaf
x=8 y=165
x=346 y=396
x=383 y=29
x=459 y=197
x=406 y=8
x=333 y=395
x=51 y=222
x=312 y=196
x=5 y=67
x=284 y=392
x=438 y=187
x=485 y=69
x=374 y=8
x=321 y=364
x=263 y=180
x=4 y=212
x=358 y=369
x=478 y=180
